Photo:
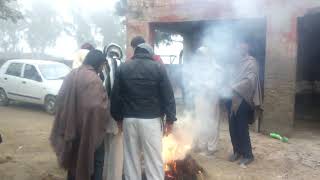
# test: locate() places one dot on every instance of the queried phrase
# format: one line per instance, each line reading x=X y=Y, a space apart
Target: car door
x=32 y=84
x=12 y=80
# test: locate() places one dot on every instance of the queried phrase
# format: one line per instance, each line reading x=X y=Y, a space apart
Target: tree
x=101 y=27
x=80 y=29
x=9 y=29
x=44 y=26
x=11 y=26
x=110 y=26
x=163 y=37
x=40 y=28
x=11 y=34
x=121 y=7
x=7 y=12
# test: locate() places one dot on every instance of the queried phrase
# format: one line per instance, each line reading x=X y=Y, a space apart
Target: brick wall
x=281 y=45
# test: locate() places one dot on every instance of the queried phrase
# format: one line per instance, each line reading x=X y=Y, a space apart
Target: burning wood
x=186 y=169
x=179 y=164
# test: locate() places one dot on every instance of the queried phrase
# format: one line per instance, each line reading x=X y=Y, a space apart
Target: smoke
x=208 y=74
x=246 y=8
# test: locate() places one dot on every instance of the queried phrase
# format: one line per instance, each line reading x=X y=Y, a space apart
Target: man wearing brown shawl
x=246 y=99
x=80 y=122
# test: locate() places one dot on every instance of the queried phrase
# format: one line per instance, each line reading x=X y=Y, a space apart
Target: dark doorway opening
x=195 y=32
x=307 y=106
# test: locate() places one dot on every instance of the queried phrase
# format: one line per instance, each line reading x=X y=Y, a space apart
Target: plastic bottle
x=278 y=136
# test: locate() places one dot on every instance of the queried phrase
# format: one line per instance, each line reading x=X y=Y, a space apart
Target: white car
x=32 y=81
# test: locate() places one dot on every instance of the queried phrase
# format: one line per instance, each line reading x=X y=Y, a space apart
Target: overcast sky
x=64 y=6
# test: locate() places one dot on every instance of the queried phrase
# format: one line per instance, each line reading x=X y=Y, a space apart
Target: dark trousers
x=98 y=164
x=239 y=129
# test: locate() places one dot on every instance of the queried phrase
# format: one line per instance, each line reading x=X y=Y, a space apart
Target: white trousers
x=113 y=159
x=208 y=116
x=143 y=136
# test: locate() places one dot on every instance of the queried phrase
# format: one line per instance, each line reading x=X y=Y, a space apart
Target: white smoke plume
x=205 y=82
x=207 y=76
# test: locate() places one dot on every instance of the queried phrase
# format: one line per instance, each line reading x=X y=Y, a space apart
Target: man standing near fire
x=141 y=95
x=113 y=161
x=207 y=77
x=245 y=100
x=80 y=122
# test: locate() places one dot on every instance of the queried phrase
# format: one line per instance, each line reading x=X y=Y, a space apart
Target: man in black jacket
x=141 y=95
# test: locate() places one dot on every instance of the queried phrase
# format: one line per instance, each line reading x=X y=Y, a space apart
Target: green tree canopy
x=44 y=26
x=7 y=12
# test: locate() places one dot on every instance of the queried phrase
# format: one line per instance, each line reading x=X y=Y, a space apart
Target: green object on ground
x=278 y=136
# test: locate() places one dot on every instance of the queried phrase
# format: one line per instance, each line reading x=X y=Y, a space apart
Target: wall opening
x=199 y=33
x=307 y=104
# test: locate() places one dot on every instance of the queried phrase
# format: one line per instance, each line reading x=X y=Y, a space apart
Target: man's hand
x=168 y=127
x=120 y=126
x=236 y=102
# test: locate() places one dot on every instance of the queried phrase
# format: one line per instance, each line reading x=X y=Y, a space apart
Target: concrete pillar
x=187 y=48
x=280 y=74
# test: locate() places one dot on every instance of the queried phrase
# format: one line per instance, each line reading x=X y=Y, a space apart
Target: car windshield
x=54 y=71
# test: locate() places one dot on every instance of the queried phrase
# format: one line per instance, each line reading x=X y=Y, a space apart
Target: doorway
x=218 y=32
x=307 y=106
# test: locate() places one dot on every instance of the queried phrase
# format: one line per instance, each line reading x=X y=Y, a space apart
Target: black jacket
x=142 y=90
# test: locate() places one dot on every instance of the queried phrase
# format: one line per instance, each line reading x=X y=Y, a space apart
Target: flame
x=166 y=168
x=176 y=146
x=174 y=149
x=170 y=170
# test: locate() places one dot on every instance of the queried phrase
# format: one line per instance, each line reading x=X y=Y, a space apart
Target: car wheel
x=50 y=105
x=4 y=101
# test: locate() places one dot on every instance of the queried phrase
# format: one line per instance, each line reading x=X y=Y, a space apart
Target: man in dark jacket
x=141 y=95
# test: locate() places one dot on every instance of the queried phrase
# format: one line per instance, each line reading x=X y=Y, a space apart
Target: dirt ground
x=26 y=154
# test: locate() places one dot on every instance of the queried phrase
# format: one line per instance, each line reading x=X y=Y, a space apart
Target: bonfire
x=179 y=164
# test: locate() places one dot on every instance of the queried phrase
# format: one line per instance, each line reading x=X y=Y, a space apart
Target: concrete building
x=285 y=29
